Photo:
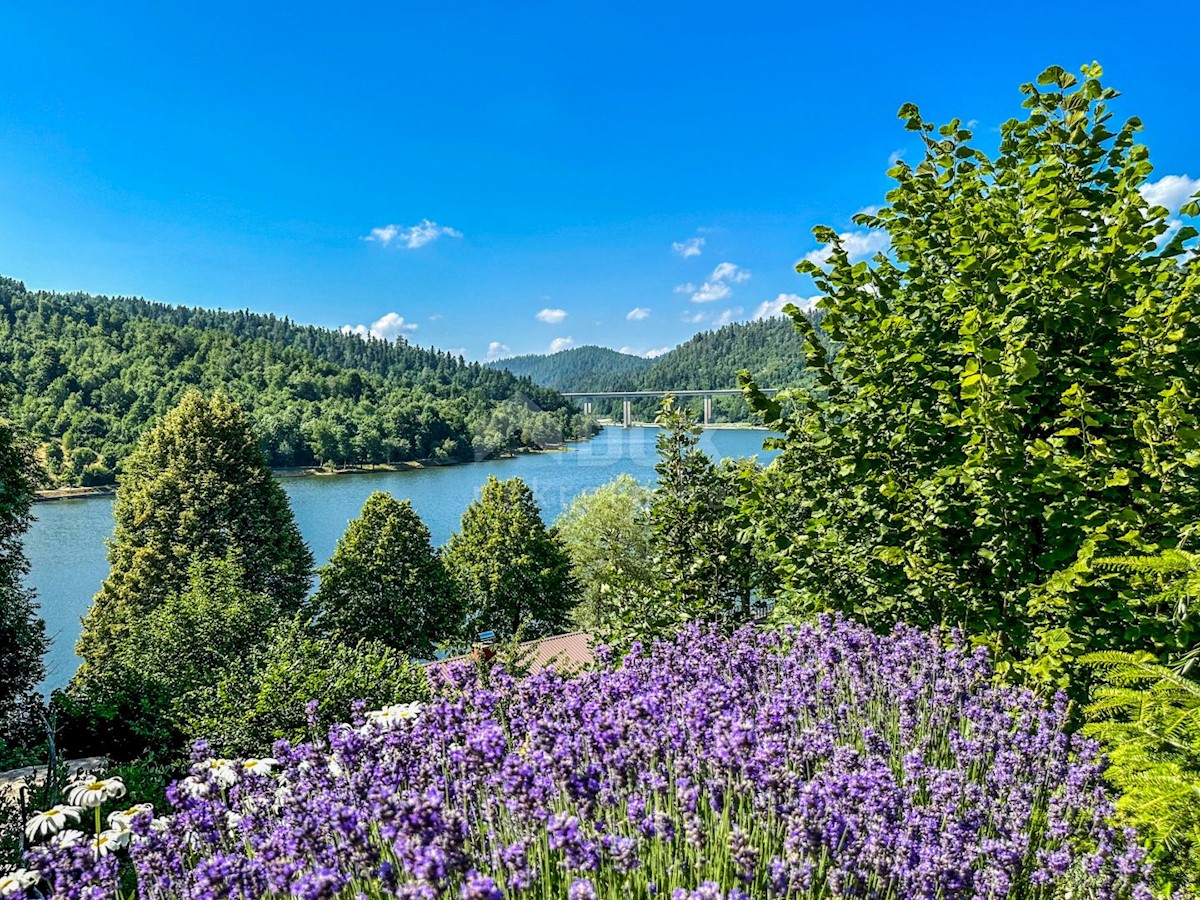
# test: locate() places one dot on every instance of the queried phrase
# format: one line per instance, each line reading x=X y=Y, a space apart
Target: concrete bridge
x=629 y=396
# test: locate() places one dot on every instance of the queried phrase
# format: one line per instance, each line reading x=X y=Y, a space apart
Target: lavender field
x=820 y=761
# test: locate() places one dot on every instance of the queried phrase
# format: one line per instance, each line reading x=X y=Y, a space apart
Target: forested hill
x=771 y=349
x=577 y=369
x=84 y=375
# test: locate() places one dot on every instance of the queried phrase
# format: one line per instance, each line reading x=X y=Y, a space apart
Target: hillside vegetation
x=86 y=374
x=771 y=349
x=577 y=369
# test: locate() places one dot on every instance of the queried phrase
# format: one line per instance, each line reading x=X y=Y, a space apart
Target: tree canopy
x=513 y=573
x=90 y=373
x=22 y=632
x=386 y=583
x=1014 y=390
x=197 y=487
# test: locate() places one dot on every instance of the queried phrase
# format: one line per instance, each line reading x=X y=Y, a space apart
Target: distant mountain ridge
x=771 y=349
x=576 y=369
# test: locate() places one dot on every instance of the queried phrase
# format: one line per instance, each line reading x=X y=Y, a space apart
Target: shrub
x=822 y=761
x=1148 y=719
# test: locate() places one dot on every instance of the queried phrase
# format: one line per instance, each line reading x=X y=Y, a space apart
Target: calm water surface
x=66 y=545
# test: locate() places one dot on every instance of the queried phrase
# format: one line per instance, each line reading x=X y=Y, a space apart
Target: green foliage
x=700 y=568
x=769 y=348
x=513 y=574
x=1148 y=719
x=196 y=489
x=22 y=633
x=386 y=583
x=265 y=695
x=576 y=369
x=90 y=373
x=607 y=534
x=1012 y=395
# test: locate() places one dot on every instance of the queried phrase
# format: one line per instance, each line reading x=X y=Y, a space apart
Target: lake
x=66 y=544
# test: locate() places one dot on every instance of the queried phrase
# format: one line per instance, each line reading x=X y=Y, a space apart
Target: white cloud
x=551 y=316
x=648 y=354
x=686 y=288
x=561 y=344
x=693 y=318
x=894 y=157
x=1171 y=191
x=727 y=271
x=412 y=236
x=726 y=317
x=638 y=313
x=773 y=309
x=456 y=351
x=690 y=247
x=497 y=350
x=435 y=317
x=389 y=326
x=859 y=245
x=717 y=285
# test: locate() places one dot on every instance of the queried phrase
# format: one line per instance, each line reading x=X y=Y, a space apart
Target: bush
x=823 y=761
x=267 y=696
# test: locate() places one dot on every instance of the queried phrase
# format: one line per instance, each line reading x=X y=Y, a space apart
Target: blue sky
x=451 y=171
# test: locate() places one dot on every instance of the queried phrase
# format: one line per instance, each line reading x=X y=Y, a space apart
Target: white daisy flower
x=110 y=841
x=194 y=786
x=223 y=772
x=259 y=766
x=68 y=838
x=120 y=821
x=92 y=792
x=50 y=821
x=390 y=716
x=17 y=882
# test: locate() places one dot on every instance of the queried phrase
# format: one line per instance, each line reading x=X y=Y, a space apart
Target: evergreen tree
x=22 y=632
x=197 y=487
x=386 y=583
x=705 y=571
x=514 y=574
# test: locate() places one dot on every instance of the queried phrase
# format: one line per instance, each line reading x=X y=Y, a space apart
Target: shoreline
x=51 y=495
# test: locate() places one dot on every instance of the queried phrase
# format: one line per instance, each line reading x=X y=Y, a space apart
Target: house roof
x=566 y=652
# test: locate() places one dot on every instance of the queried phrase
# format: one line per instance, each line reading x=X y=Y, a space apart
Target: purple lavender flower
x=821 y=760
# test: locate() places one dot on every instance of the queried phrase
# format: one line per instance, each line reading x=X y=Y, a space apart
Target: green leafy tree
x=170 y=661
x=513 y=573
x=608 y=536
x=196 y=488
x=22 y=632
x=1012 y=393
x=386 y=583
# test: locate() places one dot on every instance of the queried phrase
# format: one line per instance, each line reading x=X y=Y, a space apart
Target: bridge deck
x=602 y=394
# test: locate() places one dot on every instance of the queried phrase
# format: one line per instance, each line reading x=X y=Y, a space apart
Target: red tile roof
x=566 y=652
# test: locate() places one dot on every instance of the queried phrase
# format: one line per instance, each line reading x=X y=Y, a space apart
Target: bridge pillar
x=707 y=410
x=587 y=407
x=628 y=413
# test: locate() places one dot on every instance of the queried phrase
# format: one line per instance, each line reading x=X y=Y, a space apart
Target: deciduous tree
x=513 y=572
x=1014 y=393
x=386 y=583
x=22 y=632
